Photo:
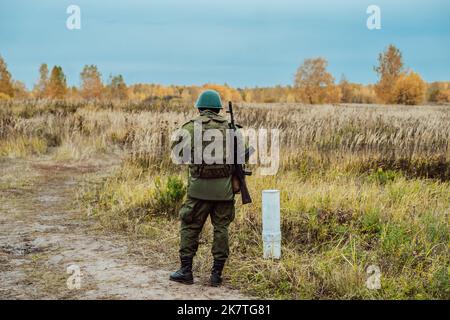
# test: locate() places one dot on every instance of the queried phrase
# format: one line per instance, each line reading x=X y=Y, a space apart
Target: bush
x=439 y=92
x=382 y=177
x=169 y=196
x=409 y=89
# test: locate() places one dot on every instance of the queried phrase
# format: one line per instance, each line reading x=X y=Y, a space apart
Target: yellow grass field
x=360 y=185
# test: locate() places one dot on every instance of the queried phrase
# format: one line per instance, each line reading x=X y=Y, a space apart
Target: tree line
x=313 y=84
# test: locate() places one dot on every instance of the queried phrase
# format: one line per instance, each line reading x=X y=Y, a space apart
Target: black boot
x=216 y=273
x=184 y=274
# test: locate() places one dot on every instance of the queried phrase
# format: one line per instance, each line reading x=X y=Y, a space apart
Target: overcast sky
x=242 y=43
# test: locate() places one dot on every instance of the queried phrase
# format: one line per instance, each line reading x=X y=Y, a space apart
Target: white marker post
x=271 y=224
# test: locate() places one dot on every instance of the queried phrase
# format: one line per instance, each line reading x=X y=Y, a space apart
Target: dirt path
x=42 y=234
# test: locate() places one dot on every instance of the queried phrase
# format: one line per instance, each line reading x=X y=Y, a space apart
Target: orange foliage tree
x=40 y=88
x=6 y=86
x=439 y=92
x=91 y=82
x=117 y=88
x=20 y=90
x=409 y=89
x=389 y=69
x=315 y=83
x=57 y=86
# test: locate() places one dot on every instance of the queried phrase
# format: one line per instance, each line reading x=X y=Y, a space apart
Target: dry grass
x=360 y=137
x=360 y=185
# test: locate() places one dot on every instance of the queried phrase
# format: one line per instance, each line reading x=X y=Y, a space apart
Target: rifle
x=239 y=171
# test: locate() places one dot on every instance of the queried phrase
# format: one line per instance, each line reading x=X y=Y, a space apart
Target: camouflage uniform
x=210 y=192
x=207 y=197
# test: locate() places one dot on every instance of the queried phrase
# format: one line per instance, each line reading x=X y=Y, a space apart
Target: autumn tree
x=439 y=92
x=20 y=90
x=91 y=82
x=363 y=94
x=434 y=89
x=409 y=89
x=57 y=85
x=389 y=69
x=40 y=89
x=315 y=83
x=6 y=86
x=346 y=90
x=117 y=88
x=72 y=93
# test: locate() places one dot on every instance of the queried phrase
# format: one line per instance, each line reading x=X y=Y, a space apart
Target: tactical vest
x=210 y=120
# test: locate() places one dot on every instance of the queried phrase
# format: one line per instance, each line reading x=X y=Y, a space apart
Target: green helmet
x=209 y=99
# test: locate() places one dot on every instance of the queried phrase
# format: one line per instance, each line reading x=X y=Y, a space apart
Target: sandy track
x=42 y=233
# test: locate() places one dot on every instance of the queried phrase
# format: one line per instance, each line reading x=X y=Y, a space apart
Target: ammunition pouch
x=210 y=171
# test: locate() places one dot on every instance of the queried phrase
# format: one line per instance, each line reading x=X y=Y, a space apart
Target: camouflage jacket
x=215 y=189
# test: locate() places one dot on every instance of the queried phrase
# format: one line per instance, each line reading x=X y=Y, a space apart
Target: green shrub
x=382 y=177
x=169 y=196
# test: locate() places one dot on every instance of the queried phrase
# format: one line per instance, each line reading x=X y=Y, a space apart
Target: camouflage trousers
x=193 y=215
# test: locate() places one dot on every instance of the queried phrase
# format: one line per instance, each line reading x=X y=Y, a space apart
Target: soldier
x=210 y=193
